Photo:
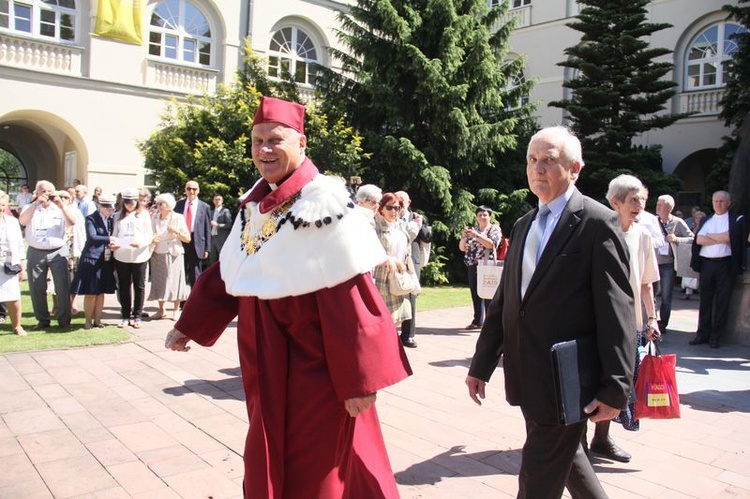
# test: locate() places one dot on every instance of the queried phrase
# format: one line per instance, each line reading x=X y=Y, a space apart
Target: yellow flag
x=120 y=20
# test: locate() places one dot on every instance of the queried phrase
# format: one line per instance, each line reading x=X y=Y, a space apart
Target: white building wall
x=543 y=41
x=103 y=96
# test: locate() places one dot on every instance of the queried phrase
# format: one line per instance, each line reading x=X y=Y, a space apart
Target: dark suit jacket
x=201 y=235
x=225 y=223
x=579 y=289
x=97 y=236
x=737 y=240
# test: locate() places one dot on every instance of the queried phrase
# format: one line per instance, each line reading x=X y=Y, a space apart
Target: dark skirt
x=627 y=417
x=94 y=277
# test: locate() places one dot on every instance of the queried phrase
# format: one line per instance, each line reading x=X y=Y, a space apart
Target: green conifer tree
x=429 y=86
x=619 y=91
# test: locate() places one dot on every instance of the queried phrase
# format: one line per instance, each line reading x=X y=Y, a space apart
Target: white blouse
x=133 y=229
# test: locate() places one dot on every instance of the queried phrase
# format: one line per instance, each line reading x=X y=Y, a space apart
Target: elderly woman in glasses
x=95 y=276
x=168 y=281
x=391 y=230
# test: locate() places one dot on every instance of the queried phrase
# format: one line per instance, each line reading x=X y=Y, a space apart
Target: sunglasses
x=392 y=207
x=129 y=201
x=191 y=188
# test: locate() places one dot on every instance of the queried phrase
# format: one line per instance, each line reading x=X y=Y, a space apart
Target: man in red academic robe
x=315 y=338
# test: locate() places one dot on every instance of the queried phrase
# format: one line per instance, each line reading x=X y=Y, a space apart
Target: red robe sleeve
x=362 y=347
x=209 y=308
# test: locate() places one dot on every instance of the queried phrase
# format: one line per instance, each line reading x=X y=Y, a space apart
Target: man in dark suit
x=221 y=225
x=578 y=289
x=718 y=254
x=419 y=233
x=198 y=217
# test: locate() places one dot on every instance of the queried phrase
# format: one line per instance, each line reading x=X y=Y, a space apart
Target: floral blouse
x=475 y=250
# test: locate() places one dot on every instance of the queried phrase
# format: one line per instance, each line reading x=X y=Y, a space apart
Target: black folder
x=577 y=371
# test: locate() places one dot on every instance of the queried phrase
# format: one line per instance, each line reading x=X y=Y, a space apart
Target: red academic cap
x=272 y=110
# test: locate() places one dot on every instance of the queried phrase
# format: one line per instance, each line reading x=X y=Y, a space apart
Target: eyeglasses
x=191 y=188
x=392 y=207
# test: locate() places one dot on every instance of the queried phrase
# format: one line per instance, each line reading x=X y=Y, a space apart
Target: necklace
x=251 y=239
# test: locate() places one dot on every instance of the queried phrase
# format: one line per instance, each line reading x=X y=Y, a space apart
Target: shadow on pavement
x=717 y=401
x=697 y=363
x=222 y=389
x=435 y=469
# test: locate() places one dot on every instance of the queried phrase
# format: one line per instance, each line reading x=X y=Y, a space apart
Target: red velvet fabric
x=301 y=357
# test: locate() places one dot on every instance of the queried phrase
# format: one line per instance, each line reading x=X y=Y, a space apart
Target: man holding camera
x=45 y=220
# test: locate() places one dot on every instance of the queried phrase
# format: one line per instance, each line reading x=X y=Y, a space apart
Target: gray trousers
x=38 y=263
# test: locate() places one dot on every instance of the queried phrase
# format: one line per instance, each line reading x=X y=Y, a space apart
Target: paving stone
x=135 y=416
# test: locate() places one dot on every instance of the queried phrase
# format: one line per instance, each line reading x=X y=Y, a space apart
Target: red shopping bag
x=656 y=395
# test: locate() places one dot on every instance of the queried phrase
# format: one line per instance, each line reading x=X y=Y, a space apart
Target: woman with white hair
x=168 y=282
x=625 y=194
x=368 y=198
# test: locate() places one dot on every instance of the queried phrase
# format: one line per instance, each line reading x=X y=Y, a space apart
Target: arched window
x=514 y=4
x=292 y=51
x=12 y=174
x=517 y=80
x=52 y=19
x=707 y=54
x=180 y=31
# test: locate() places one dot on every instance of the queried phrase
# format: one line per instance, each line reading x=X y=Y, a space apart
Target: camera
x=52 y=197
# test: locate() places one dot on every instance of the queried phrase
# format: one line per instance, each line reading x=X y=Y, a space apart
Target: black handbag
x=12 y=268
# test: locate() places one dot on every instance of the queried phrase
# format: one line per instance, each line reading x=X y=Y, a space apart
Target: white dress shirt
x=46 y=231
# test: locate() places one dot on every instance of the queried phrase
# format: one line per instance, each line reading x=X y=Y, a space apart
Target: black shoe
x=409 y=342
x=65 y=326
x=42 y=325
x=714 y=344
x=697 y=341
x=610 y=450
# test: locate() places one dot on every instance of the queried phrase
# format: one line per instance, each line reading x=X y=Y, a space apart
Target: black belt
x=47 y=250
x=722 y=259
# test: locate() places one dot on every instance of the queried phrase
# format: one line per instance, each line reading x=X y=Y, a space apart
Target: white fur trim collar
x=321 y=241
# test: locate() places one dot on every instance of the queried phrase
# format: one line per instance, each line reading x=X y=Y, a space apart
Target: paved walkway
x=136 y=420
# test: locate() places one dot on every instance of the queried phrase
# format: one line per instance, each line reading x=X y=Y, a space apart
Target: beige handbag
x=404 y=283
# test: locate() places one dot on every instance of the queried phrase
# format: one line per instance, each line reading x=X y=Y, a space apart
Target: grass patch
x=437 y=297
x=54 y=338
